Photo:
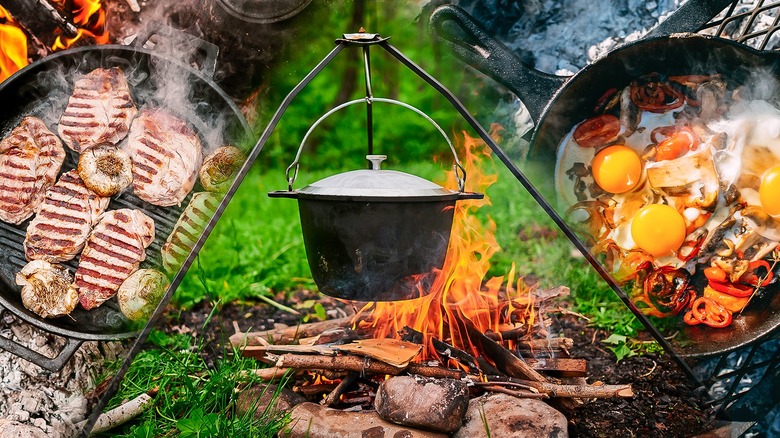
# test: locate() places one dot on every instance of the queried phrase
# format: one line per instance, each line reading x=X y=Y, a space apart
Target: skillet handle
x=53 y=364
x=475 y=46
x=690 y=17
x=209 y=51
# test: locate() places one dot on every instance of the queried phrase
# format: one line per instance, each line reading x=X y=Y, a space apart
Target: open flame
x=13 y=46
x=459 y=294
x=90 y=18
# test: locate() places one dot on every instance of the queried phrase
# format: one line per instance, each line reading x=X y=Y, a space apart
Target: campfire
x=467 y=336
x=31 y=30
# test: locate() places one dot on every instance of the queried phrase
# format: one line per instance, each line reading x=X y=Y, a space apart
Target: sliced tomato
x=597 y=131
x=676 y=145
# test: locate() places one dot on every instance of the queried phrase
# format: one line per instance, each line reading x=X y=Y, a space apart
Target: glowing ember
x=13 y=46
x=459 y=295
x=90 y=18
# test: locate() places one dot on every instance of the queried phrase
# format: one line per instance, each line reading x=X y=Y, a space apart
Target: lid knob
x=376 y=161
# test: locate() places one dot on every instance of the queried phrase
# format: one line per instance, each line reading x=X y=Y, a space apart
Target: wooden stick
x=546 y=344
x=274 y=373
x=518 y=394
x=361 y=365
x=506 y=362
x=571 y=391
x=334 y=395
x=122 y=413
x=287 y=335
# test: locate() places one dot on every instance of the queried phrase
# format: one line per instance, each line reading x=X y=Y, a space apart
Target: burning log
x=40 y=17
x=333 y=396
x=505 y=361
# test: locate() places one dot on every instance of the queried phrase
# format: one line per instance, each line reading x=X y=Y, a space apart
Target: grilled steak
x=113 y=251
x=100 y=110
x=64 y=220
x=187 y=230
x=30 y=158
x=166 y=156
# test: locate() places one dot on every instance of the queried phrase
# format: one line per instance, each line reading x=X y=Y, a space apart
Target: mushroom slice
x=105 y=169
x=140 y=293
x=220 y=167
x=47 y=289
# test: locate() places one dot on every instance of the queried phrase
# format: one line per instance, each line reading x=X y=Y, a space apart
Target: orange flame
x=90 y=17
x=458 y=295
x=13 y=46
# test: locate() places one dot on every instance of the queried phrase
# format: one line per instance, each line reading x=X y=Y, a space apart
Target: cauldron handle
x=53 y=364
x=292 y=169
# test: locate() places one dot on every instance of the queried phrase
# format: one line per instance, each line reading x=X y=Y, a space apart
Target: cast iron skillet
x=558 y=103
x=36 y=90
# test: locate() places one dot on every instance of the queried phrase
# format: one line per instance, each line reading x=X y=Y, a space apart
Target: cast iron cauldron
x=375 y=235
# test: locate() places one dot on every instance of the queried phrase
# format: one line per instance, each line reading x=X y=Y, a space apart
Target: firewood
x=362 y=365
x=546 y=344
x=583 y=391
x=333 y=396
x=274 y=373
x=563 y=367
x=122 y=413
x=519 y=394
x=288 y=335
x=505 y=361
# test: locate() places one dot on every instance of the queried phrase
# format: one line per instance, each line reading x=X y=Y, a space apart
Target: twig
x=287 y=335
x=361 y=365
x=334 y=395
x=571 y=391
x=518 y=394
x=122 y=413
x=279 y=306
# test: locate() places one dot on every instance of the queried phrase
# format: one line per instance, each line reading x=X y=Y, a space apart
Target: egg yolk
x=658 y=229
x=769 y=191
x=617 y=169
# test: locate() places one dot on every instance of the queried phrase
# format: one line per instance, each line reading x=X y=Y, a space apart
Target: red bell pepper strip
x=752 y=277
x=734 y=289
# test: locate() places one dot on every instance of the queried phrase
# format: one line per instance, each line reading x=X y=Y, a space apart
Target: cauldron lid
x=376 y=183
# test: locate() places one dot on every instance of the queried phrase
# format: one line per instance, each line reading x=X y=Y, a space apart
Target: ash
x=52 y=402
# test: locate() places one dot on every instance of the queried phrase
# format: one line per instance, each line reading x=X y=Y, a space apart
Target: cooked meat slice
x=105 y=169
x=113 y=251
x=30 y=158
x=100 y=110
x=187 y=229
x=166 y=156
x=64 y=220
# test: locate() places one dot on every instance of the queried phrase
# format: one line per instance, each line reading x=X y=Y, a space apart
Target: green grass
x=193 y=400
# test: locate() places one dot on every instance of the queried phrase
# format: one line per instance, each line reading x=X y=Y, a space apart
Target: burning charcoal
x=262 y=399
x=504 y=415
x=432 y=404
x=311 y=420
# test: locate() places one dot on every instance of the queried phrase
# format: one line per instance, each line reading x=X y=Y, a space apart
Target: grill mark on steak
x=100 y=110
x=151 y=158
x=103 y=266
x=63 y=217
x=155 y=147
x=60 y=230
x=30 y=158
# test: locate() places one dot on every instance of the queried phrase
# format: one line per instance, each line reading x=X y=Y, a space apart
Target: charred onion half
x=140 y=293
x=47 y=289
x=105 y=169
x=220 y=167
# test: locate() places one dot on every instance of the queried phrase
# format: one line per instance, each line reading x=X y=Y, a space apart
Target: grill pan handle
x=207 y=66
x=53 y=364
x=475 y=46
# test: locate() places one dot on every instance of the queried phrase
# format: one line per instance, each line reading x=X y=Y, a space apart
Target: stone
x=13 y=429
x=507 y=416
x=261 y=398
x=311 y=420
x=425 y=403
